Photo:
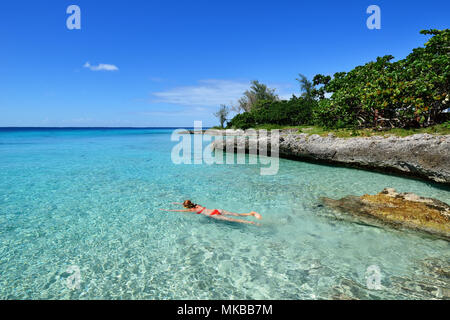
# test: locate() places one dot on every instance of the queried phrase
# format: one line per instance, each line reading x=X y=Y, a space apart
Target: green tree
x=258 y=91
x=306 y=87
x=222 y=114
x=411 y=92
x=296 y=111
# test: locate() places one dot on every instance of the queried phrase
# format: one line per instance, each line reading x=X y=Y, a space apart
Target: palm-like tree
x=306 y=87
x=222 y=114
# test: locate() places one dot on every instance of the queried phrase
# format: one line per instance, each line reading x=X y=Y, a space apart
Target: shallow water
x=90 y=198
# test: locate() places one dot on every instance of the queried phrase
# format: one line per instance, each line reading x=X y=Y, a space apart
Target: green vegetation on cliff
x=409 y=93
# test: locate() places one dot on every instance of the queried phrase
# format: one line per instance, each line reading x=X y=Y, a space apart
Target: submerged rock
x=399 y=210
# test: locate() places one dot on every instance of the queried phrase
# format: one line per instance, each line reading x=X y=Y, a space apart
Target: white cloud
x=101 y=67
x=156 y=79
x=213 y=92
x=207 y=93
x=177 y=113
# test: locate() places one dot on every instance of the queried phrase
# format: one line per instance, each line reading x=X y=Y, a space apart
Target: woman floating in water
x=216 y=213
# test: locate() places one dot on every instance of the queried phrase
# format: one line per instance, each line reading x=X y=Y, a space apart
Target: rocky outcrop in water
x=398 y=210
x=422 y=155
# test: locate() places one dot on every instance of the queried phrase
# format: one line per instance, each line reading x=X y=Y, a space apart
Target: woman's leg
x=234 y=220
x=229 y=213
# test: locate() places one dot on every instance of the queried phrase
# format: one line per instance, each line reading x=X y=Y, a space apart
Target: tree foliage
x=407 y=93
x=412 y=92
x=296 y=111
x=258 y=91
x=222 y=114
x=306 y=86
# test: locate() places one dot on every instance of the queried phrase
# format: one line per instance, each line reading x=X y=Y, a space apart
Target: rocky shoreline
x=422 y=155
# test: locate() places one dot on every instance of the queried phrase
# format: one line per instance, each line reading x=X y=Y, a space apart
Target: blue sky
x=173 y=62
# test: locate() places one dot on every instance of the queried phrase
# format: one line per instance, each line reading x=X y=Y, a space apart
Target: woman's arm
x=187 y=210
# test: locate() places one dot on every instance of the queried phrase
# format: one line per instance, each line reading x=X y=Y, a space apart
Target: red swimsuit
x=215 y=212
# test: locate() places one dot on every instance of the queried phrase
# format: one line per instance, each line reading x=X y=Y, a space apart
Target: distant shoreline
x=88 y=128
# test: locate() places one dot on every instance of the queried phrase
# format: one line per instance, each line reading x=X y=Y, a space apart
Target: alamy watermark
x=373 y=278
x=73 y=281
x=374 y=20
x=74 y=20
x=262 y=146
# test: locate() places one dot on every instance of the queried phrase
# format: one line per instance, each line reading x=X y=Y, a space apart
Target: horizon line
x=102 y=127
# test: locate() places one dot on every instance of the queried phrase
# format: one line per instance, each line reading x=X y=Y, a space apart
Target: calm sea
x=79 y=219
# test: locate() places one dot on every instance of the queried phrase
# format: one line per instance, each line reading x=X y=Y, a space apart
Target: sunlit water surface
x=90 y=199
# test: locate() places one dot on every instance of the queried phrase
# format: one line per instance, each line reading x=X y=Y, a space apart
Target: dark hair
x=188 y=204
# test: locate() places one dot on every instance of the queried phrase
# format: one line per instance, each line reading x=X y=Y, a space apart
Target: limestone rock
x=399 y=210
x=422 y=155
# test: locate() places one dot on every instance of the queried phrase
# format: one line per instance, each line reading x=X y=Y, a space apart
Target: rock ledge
x=422 y=155
x=398 y=210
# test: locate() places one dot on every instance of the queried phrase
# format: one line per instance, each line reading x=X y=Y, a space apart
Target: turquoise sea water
x=90 y=199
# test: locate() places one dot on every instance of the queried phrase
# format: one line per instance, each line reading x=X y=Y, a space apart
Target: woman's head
x=188 y=204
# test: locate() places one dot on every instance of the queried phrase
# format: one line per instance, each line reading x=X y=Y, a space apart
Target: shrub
x=407 y=93
x=296 y=111
x=242 y=121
